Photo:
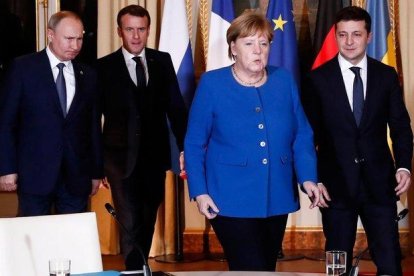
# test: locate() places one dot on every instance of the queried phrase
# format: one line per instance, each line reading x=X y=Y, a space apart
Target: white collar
x=55 y=61
x=345 y=65
x=128 y=56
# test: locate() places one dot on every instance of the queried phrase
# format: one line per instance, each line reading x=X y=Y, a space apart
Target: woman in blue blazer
x=247 y=146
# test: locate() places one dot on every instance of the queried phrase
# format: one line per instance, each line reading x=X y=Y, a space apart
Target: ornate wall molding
x=44 y=9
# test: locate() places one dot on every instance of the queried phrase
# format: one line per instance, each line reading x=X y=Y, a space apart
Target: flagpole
x=179 y=256
x=174 y=39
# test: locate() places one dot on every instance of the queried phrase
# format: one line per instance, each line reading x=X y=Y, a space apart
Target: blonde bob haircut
x=247 y=24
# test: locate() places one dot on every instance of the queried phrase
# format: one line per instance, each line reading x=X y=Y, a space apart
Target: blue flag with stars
x=283 y=49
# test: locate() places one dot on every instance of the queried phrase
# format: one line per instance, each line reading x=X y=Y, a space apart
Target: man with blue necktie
x=350 y=101
x=50 y=128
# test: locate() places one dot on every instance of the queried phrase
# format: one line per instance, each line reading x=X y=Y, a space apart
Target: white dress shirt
x=349 y=76
x=131 y=64
x=68 y=73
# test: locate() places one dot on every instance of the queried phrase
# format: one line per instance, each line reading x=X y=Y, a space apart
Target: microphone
x=401 y=215
x=110 y=209
x=145 y=268
x=355 y=269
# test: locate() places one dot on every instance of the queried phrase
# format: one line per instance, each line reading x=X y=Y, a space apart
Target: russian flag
x=222 y=13
x=175 y=40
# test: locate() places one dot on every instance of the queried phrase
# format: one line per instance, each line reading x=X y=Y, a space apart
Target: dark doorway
x=17 y=30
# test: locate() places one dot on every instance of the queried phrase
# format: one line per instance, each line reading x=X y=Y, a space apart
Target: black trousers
x=136 y=201
x=340 y=226
x=250 y=244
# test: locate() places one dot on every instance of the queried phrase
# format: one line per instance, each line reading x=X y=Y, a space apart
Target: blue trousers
x=60 y=200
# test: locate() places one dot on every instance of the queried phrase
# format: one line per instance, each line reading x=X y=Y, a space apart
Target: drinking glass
x=59 y=267
x=335 y=263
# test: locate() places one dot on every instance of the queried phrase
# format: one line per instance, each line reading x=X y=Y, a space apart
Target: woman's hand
x=317 y=193
x=324 y=196
x=206 y=206
x=313 y=193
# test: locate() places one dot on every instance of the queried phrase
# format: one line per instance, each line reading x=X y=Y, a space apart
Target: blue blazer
x=249 y=147
x=37 y=142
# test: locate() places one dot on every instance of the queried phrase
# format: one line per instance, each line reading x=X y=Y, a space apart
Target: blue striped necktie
x=61 y=87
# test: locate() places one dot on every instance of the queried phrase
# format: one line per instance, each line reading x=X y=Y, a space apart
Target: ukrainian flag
x=382 y=43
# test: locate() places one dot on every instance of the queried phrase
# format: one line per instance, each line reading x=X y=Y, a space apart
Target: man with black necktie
x=50 y=128
x=350 y=101
x=139 y=91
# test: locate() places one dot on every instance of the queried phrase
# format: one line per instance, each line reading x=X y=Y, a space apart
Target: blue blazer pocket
x=232 y=160
x=286 y=159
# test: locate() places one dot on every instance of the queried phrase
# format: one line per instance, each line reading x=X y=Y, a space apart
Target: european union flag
x=284 y=49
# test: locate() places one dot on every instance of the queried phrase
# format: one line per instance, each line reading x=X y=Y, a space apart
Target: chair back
x=28 y=243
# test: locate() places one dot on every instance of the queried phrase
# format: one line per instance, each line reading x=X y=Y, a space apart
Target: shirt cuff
x=404 y=169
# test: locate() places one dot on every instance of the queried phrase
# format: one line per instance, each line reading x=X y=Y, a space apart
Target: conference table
x=241 y=273
x=207 y=273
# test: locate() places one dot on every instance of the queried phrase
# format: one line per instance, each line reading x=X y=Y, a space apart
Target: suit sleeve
x=312 y=108
x=177 y=111
x=399 y=125
x=10 y=96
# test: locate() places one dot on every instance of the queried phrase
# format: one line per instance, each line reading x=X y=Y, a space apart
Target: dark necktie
x=139 y=70
x=61 y=88
x=358 y=95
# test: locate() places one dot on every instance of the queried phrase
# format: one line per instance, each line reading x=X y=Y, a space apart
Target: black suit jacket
x=349 y=155
x=37 y=142
x=132 y=128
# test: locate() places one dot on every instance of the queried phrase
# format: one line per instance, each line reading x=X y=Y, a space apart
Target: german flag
x=324 y=39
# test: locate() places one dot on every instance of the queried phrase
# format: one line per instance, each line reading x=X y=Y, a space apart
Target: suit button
x=264 y=161
x=258 y=109
x=262 y=144
x=260 y=126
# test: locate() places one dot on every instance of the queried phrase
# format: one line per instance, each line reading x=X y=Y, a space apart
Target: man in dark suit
x=50 y=148
x=350 y=101
x=139 y=91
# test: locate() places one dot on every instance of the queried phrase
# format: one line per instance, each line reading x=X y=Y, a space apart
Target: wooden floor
x=217 y=264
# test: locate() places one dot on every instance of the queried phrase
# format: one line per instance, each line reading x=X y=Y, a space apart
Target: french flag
x=175 y=40
x=222 y=13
